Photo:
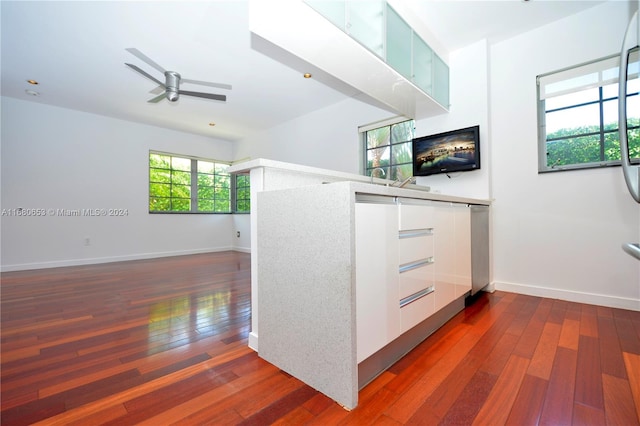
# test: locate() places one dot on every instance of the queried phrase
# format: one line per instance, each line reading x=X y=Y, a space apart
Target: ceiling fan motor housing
x=172 y=83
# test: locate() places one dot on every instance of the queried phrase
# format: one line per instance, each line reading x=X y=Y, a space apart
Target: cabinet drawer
x=415 y=245
x=416 y=277
x=415 y=217
x=413 y=313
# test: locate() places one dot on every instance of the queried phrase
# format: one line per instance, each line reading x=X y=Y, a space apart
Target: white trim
x=383 y=123
x=98 y=260
x=571 y=296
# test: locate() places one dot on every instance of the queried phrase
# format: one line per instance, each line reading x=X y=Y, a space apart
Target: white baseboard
x=253 y=341
x=109 y=259
x=571 y=296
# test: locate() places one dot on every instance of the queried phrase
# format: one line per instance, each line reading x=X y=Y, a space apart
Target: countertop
x=360 y=184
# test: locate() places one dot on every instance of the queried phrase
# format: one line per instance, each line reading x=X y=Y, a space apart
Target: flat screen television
x=453 y=151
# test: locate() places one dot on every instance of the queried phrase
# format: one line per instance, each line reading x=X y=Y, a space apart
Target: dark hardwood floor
x=164 y=341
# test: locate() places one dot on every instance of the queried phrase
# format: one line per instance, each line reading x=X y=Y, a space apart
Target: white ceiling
x=76 y=51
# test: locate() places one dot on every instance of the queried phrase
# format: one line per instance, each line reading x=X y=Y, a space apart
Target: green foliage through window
x=189 y=185
x=243 y=201
x=578 y=113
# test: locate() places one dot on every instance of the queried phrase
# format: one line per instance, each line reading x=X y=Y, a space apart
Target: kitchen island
x=349 y=275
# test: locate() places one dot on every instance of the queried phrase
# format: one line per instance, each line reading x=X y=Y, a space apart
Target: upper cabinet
x=379 y=28
x=364 y=43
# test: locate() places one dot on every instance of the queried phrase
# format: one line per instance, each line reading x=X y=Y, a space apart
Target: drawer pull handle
x=413 y=233
x=415 y=296
x=417 y=264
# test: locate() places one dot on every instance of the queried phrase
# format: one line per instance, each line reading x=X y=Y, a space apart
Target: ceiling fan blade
x=149 y=76
x=207 y=83
x=203 y=95
x=135 y=52
x=157 y=90
x=157 y=99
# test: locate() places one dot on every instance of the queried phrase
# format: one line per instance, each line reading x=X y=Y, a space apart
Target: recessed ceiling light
x=31 y=92
x=306 y=75
x=34 y=82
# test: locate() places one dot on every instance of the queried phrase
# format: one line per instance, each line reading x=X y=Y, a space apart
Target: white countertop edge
x=361 y=184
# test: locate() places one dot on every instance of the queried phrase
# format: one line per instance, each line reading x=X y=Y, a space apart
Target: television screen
x=457 y=150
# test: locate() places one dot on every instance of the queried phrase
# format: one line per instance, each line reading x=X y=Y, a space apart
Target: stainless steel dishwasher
x=479 y=247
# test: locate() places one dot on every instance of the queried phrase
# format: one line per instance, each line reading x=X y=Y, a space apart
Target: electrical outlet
x=238 y=234
x=87 y=241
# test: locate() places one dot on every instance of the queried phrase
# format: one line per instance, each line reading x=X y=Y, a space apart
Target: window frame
x=193 y=184
x=365 y=170
x=542 y=111
x=236 y=189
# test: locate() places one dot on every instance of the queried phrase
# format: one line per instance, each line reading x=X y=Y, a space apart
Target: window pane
x=159 y=204
x=204 y=180
x=571 y=99
x=160 y=189
x=378 y=137
x=610 y=114
x=402 y=132
x=222 y=205
x=573 y=121
x=221 y=168
x=402 y=172
x=610 y=91
x=580 y=150
x=205 y=166
x=183 y=178
x=401 y=153
x=378 y=157
x=222 y=180
x=243 y=194
x=180 y=205
x=159 y=175
x=612 y=146
x=178 y=163
x=160 y=161
x=205 y=192
x=243 y=180
x=181 y=191
x=205 y=205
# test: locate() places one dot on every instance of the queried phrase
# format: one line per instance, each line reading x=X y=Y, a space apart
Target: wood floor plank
x=527 y=406
x=542 y=359
x=164 y=341
x=503 y=394
x=632 y=364
x=618 y=402
x=570 y=334
x=588 y=389
x=611 y=360
x=558 y=403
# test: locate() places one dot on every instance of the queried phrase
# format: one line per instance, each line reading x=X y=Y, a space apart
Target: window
x=388 y=147
x=190 y=185
x=578 y=116
x=242 y=201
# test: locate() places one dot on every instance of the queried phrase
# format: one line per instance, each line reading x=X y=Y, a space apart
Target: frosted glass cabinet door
x=334 y=11
x=398 y=43
x=440 y=81
x=422 y=65
x=365 y=23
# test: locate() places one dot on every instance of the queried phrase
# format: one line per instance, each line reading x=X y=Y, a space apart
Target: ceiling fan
x=171 y=87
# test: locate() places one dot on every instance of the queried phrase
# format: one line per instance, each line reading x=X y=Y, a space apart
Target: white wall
x=327 y=138
x=55 y=158
x=557 y=234
x=469 y=107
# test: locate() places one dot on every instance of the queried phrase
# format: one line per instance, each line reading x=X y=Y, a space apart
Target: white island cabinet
x=346 y=274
